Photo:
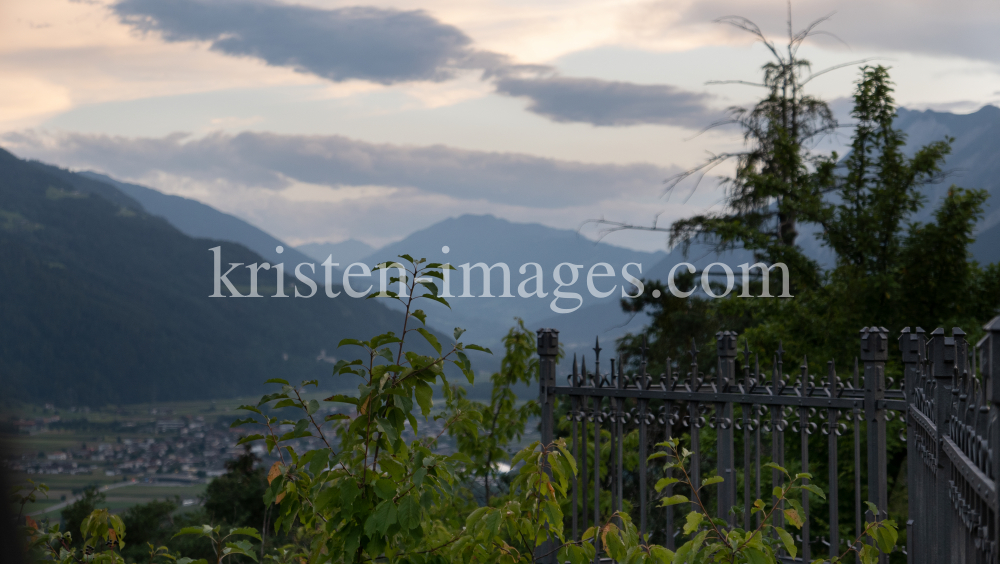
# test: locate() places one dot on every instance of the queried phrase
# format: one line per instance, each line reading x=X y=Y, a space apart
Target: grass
x=118 y=499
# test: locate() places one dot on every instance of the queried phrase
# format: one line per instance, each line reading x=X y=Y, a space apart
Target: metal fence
x=735 y=415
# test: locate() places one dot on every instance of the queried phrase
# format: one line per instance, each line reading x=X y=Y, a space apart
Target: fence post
x=941 y=351
x=874 y=353
x=912 y=347
x=726 y=349
x=991 y=371
x=548 y=350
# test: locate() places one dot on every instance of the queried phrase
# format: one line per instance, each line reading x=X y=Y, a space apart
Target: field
x=126 y=449
x=82 y=435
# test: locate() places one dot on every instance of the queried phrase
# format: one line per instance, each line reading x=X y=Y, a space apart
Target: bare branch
x=750 y=27
x=840 y=66
x=748 y=83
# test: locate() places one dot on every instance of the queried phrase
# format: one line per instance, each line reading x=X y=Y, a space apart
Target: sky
x=322 y=121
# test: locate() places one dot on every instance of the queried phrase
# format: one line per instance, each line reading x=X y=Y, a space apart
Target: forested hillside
x=104 y=303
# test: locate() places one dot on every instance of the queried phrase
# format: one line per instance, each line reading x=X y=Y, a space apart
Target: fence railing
x=736 y=415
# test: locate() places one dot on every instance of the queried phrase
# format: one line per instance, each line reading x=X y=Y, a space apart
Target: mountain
x=194 y=218
x=986 y=249
x=104 y=302
x=974 y=161
x=487 y=239
x=344 y=252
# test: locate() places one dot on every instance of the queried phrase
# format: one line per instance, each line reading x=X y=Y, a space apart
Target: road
x=73 y=499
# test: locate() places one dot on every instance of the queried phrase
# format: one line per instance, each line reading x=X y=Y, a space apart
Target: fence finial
x=874 y=344
x=726 y=344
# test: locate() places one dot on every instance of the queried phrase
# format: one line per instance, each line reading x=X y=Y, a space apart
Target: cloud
x=606 y=103
x=378 y=45
x=962 y=28
x=275 y=162
x=390 y=46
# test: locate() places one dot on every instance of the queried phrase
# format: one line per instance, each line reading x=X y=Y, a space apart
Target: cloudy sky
x=328 y=120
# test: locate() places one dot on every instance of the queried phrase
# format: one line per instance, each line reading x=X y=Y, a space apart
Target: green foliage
x=778 y=181
x=502 y=419
x=76 y=513
x=224 y=546
x=528 y=522
x=712 y=539
x=147 y=523
x=235 y=497
x=102 y=534
x=374 y=493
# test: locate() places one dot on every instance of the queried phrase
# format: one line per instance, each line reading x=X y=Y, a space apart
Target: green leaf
x=194 y=531
x=473 y=519
x=341 y=398
x=886 y=538
x=386 y=354
x=664 y=482
x=381 y=519
x=242 y=547
x=249 y=438
x=614 y=545
x=712 y=480
x=694 y=520
x=674 y=500
x=869 y=554
x=430 y=339
x=755 y=556
x=312 y=406
x=409 y=512
x=458 y=332
x=662 y=555
x=776 y=467
x=491 y=523
x=786 y=539
x=793 y=518
x=276 y=381
x=813 y=489
x=385 y=488
x=552 y=512
x=248 y=531
x=438 y=299
x=424 y=394
x=656 y=455
x=419 y=314
x=479 y=348
x=244 y=421
x=388 y=429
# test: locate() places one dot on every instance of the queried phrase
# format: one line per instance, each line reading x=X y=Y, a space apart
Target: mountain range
x=106 y=280
x=106 y=303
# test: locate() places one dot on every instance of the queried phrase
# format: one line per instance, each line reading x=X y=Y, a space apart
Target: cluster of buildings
x=165 y=450
x=160 y=449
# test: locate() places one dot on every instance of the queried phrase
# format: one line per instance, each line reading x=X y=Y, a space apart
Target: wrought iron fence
x=736 y=414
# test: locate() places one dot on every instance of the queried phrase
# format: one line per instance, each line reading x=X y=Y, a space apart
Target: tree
x=877 y=194
x=502 y=419
x=941 y=285
x=76 y=513
x=779 y=182
x=235 y=497
x=148 y=523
